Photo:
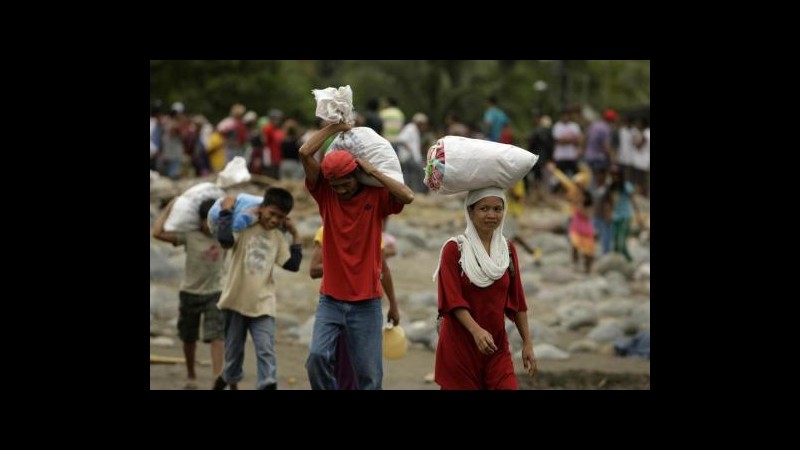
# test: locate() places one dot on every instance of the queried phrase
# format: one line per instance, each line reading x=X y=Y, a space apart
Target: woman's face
x=487 y=214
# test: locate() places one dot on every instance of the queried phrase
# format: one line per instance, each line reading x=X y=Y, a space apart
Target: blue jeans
x=605 y=231
x=363 y=322
x=262 y=329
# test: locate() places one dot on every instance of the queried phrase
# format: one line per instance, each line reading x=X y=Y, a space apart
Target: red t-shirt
x=273 y=138
x=352 y=229
x=459 y=363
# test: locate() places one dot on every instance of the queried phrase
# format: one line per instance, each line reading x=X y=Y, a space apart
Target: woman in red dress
x=476 y=292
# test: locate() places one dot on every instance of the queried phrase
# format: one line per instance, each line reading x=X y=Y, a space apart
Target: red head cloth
x=610 y=115
x=338 y=164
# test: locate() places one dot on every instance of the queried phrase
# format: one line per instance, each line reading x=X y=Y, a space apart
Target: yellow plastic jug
x=395 y=344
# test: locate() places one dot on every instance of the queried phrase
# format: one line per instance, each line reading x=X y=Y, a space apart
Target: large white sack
x=364 y=142
x=334 y=105
x=185 y=214
x=235 y=172
x=476 y=164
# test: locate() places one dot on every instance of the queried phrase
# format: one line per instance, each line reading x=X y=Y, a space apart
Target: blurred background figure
x=410 y=152
x=494 y=120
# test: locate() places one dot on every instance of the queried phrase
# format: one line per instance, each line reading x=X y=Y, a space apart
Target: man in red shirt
x=350 y=292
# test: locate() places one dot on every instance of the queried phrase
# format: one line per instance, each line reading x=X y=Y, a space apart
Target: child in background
x=623 y=208
x=580 y=228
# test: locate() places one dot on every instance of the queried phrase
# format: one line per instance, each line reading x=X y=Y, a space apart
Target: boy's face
x=271 y=217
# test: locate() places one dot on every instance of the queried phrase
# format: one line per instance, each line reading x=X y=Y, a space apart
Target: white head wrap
x=481 y=268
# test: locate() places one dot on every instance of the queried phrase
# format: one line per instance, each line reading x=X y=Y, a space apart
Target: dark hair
x=279 y=197
x=372 y=104
x=205 y=207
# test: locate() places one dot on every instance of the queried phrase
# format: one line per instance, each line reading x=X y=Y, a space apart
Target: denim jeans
x=262 y=329
x=363 y=322
x=605 y=231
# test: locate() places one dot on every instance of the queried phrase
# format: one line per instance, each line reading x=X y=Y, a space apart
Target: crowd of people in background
x=186 y=145
x=609 y=153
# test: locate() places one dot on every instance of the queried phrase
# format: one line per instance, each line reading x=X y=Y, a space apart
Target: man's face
x=345 y=187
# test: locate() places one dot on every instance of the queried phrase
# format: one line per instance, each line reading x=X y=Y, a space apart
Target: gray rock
x=593 y=289
x=161 y=269
x=423 y=299
x=549 y=352
x=541 y=332
x=162 y=341
x=617 y=284
x=639 y=253
x=305 y=332
x=308 y=226
x=641 y=314
x=163 y=188
x=583 y=346
x=558 y=274
x=616 y=307
x=550 y=242
x=608 y=330
x=421 y=331
x=556 y=259
x=530 y=287
x=576 y=314
x=642 y=272
x=163 y=302
x=613 y=261
x=284 y=321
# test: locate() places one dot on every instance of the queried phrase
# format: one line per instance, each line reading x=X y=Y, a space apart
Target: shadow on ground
x=583 y=379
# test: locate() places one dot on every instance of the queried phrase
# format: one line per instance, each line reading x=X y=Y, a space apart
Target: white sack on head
x=335 y=105
x=456 y=164
x=235 y=172
x=185 y=214
x=365 y=143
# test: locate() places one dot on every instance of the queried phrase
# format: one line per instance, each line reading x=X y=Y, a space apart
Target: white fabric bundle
x=364 y=142
x=235 y=172
x=481 y=268
x=335 y=105
x=471 y=164
x=185 y=214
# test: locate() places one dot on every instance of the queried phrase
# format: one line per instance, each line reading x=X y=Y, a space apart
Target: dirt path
x=581 y=371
